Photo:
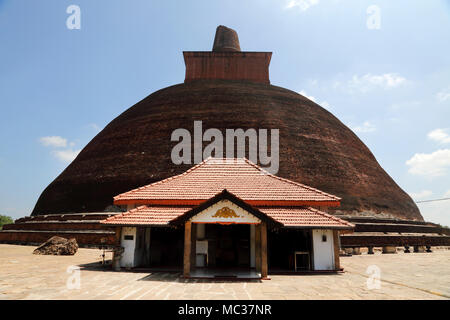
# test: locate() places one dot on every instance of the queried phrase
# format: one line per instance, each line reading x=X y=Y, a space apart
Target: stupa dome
x=315 y=148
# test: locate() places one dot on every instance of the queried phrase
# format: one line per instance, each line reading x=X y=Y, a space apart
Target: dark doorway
x=166 y=247
x=228 y=246
x=282 y=247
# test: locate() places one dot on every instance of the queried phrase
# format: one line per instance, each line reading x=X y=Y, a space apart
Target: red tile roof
x=241 y=177
x=288 y=217
x=147 y=216
x=305 y=217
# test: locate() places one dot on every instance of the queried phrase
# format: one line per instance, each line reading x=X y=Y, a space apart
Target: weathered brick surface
x=226 y=39
x=249 y=66
x=83 y=238
x=44 y=225
x=315 y=148
x=402 y=228
x=393 y=240
x=65 y=217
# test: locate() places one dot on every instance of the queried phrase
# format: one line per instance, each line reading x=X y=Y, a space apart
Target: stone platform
x=403 y=276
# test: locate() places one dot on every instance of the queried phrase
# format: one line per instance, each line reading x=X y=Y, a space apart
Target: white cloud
x=53 y=141
x=443 y=95
x=64 y=149
x=67 y=155
x=303 y=93
x=94 y=127
x=323 y=104
x=406 y=105
x=430 y=164
x=364 y=128
x=370 y=81
x=424 y=194
x=301 y=4
x=436 y=212
x=439 y=135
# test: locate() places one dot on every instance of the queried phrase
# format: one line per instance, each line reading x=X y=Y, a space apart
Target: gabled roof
x=239 y=176
x=303 y=217
x=231 y=197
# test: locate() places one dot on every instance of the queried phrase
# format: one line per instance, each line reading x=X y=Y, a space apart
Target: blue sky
x=390 y=84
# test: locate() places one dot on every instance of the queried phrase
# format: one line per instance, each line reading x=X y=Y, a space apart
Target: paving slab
x=366 y=277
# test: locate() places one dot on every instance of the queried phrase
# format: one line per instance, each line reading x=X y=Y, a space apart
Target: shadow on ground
x=160 y=275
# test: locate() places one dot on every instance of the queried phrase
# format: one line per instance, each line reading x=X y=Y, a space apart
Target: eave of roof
x=307 y=217
x=146 y=216
x=276 y=217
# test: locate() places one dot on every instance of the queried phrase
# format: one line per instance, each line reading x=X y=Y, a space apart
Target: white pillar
x=128 y=242
x=323 y=249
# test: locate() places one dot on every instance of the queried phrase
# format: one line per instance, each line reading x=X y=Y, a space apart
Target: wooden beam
x=187 y=250
x=118 y=231
x=264 y=266
x=258 y=248
x=193 y=246
x=337 y=264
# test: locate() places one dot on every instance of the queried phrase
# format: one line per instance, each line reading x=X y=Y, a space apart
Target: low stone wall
x=56 y=225
x=37 y=237
x=393 y=240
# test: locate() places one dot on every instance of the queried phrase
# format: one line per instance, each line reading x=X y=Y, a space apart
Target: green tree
x=5 y=220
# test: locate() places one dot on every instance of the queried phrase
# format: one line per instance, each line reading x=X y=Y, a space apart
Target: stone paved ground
x=403 y=276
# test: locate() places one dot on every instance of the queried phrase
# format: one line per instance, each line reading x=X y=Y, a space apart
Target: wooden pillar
x=118 y=231
x=337 y=263
x=264 y=266
x=193 y=246
x=187 y=250
x=258 y=247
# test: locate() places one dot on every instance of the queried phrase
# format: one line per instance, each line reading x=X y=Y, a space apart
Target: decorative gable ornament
x=225 y=212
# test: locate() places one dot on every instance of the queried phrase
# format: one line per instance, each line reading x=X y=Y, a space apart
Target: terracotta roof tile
x=239 y=176
x=305 y=217
x=147 y=215
x=289 y=217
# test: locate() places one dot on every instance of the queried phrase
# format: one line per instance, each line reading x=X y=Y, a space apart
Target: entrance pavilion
x=228 y=218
